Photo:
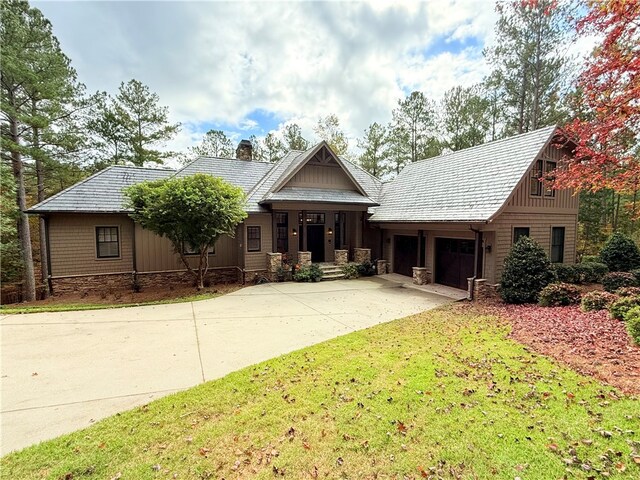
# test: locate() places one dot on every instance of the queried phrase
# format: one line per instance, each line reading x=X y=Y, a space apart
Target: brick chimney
x=244 y=150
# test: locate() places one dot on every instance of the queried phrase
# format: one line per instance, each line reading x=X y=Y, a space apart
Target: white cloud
x=215 y=63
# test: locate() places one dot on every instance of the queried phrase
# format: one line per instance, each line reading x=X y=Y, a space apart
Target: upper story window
x=107 y=242
x=253 y=239
x=542 y=170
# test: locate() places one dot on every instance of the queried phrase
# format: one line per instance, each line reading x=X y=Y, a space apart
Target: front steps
x=331 y=271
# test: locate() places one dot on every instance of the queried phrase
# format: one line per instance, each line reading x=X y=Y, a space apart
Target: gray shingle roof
x=242 y=173
x=320 y=195
x=469 y=185
x=101 y=192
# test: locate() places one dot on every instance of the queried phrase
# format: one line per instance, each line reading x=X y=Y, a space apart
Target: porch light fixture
x=330 y=231
x=294 y=232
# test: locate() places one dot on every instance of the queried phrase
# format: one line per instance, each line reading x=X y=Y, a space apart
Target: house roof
x=101 y=192
x=470 y=185
x=318 y=195
x=242 y=173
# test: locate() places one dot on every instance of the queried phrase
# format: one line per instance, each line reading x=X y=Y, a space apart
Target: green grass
x=71 y=307
x=443 y=393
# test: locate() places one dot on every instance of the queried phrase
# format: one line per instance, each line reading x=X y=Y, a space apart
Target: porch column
x=421 y=248
x=304 y=230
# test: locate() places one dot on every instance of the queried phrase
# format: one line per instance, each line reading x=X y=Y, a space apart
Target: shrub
x=597 y=301
x=559 y=295
x=620 y=253
x=527 y=270
x=632 y=321
x=567 y=273
x=592 y=272
x=628 y=292
x=589 y=258
x=615 y=280
x=351 y=270
x=619 y=308
x=636 y=273
x=367 y=269
x=310 y=273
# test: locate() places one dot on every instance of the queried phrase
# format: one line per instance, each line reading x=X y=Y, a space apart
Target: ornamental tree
x=607 y=151
x=192 y=212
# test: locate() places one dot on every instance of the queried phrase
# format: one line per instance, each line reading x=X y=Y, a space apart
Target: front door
x=315 y=242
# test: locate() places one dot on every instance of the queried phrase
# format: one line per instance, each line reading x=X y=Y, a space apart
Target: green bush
x=310 y=273
x=592 y=272
x=351 y=270
x=589 y=258
x=615 y=280
x=559 y=295
x=527 y=270
x=619 y=308
x=636 y=273
x=367 y=269
x=597 y=301
x=620 y=253
x=632 y=321
x=567 y=273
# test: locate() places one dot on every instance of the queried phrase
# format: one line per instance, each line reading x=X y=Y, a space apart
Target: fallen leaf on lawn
x=402 y=428
x=339 y=461
x=423 y=472
x=553 y=447
x=306 y=446
x=621 y=467
x=117 y=476
x=203 y=451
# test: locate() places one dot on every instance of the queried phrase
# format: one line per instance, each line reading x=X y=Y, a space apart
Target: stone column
x=361 y=255
x=381 y=267
x=274 y=263
x=421 y=275
x=304 y=259
x=341 y=257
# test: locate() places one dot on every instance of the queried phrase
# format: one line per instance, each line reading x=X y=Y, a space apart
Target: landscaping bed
x=592 y=343
x=123 y=298
x=442 y=394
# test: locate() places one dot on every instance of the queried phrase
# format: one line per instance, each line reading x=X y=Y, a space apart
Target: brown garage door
x=454 y=261
x=405 y=254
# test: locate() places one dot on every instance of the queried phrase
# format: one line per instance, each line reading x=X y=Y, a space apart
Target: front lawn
x=443 y=394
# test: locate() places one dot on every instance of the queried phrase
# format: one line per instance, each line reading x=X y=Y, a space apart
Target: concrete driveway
x=64 y=371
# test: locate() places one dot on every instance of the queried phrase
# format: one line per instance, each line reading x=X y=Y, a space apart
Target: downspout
x=47 y=244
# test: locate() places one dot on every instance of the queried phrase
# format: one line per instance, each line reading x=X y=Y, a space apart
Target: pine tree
x=375 y=150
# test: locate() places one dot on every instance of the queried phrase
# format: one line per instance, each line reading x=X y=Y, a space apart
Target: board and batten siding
x=72 y=244
x=539 y=230
x=258 y=260
x=321 y=176
x=156 y=254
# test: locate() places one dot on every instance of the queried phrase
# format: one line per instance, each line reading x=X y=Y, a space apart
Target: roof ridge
x=361 y=169
x=490 y=142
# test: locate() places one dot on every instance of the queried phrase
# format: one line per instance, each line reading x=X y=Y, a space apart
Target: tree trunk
x=522 y=99
x=44 y=259
x=23 y=221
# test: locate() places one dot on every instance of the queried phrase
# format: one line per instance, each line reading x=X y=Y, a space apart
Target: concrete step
x=331 y=270
x=334 y=276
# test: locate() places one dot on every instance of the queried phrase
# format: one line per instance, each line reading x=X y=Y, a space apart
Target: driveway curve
x=63 y=371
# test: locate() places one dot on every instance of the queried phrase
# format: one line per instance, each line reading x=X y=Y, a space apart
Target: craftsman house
x=453 y=217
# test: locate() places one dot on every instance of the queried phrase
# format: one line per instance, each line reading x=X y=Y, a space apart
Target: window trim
x=211 y=251
x=107 y=257
x=513 y=233
x=563 y=245
x=259 y=227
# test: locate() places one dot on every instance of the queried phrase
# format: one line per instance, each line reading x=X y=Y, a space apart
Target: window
x=557 y=244
x=107 y=242
x=542 y=171
x=520 y=232
x=187 y=250
x=253 y=239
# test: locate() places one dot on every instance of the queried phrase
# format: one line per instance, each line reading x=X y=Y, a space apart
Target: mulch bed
x=591 y=343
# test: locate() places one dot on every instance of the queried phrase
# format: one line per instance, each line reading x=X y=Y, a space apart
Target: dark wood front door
x=454 y=261
x=405 y=254
x=315 y=242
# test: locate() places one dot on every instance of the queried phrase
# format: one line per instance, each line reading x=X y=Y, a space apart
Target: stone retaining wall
x=361 y=255
x=485 y=291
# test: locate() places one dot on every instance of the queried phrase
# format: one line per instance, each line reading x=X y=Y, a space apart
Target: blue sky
x=252 y=67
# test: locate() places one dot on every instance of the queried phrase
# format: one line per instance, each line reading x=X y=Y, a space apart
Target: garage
x=405 y=254
x=454 y=261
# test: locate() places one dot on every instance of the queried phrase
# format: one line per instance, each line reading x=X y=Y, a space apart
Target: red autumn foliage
x=605 y=156
x=592 y=343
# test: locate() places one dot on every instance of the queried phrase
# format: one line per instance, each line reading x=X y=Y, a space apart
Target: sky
x=253 y=67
